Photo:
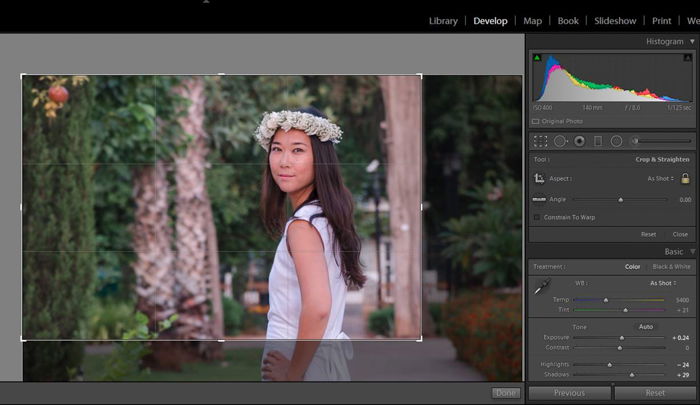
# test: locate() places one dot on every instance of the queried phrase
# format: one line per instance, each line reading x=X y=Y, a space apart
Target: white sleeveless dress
x=330 y=360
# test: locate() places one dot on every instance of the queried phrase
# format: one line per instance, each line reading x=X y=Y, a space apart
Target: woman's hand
x=276 y=367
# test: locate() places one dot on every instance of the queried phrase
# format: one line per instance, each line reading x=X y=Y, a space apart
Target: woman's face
x=291 y=160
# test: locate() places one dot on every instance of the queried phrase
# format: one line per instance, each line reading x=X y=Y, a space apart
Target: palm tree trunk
x=151 y=239
x=196 y=251
x=213 y=265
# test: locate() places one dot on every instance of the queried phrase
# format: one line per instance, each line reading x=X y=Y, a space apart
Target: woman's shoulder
x=311 y=212
x=308 y=210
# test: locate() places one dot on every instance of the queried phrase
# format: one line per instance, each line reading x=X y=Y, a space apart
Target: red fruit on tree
x=58 y=94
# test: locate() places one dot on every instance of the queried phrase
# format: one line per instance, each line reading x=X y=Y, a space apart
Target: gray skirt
x=330 y=362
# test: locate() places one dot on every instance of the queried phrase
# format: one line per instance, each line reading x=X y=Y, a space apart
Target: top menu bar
x=220 y=16
x=567 y=22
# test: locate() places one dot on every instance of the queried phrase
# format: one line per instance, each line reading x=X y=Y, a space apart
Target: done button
x=505 y=393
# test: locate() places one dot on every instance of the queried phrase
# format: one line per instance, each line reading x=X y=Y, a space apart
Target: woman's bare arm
x=306 y=248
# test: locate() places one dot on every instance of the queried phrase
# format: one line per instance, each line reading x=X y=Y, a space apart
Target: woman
x=318 y=255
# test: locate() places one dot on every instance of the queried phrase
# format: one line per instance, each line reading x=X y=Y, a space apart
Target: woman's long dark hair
x=336 y=203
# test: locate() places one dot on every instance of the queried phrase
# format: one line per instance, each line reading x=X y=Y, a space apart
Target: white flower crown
x=309 y=123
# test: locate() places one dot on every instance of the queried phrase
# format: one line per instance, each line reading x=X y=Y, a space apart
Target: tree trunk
x=196 y=251
x=155 y=286
x=213 y=265
x=402 y=102
x=151 y=240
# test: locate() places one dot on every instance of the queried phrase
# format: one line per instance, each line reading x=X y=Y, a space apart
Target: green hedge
x=486 y=330
x=233 y=316
x=381 y=321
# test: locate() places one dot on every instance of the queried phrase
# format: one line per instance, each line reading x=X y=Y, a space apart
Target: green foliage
x=472 y=117
x=234 y=191
x=486 y=330
x=488 y=243
x=254 y=322
x=472 y=135
x=113 y=209
x=135 y=119
x=381 y=321
x=126 y=357
x=240 y=364
x=235 y=105
x=233 y=316
x=436 y=310
x=51 y=360
x=110 y=319
x=113 y=213
x=239 y=283
x=57 y=230
x=365 y=224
